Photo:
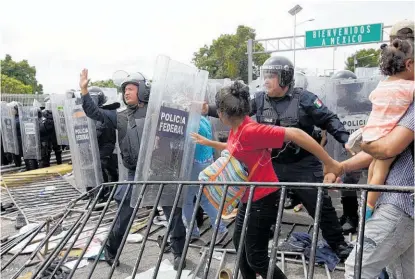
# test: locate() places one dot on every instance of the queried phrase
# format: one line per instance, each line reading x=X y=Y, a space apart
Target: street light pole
x=294 y=11
x=295 y=27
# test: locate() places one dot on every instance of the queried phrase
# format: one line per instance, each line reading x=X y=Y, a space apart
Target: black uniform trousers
x=254 y=257
x=177 y=229
x=329 y=223
x=109 y=166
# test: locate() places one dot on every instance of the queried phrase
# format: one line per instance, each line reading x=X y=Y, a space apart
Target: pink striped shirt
x=390 y=100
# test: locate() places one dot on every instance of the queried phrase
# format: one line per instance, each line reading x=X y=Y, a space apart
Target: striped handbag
x=225 y=169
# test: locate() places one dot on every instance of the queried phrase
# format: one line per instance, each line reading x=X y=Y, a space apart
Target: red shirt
x=252 y=143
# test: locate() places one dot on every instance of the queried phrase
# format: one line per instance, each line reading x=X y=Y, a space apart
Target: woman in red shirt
x=250 y=143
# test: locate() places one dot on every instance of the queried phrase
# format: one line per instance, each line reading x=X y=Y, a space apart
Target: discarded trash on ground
x=166 y=271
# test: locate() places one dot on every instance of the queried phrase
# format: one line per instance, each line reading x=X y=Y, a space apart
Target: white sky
x=62 y=37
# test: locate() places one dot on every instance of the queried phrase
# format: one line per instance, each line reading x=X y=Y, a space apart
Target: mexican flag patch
x=317 y=103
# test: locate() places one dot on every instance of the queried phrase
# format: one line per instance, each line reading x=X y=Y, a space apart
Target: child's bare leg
x=370 y=171
x=378 y=171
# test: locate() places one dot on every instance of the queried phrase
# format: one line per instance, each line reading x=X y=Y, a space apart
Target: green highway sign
x=351 y=35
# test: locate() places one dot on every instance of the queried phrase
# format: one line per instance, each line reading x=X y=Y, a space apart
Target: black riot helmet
x=70 y=94
x=344 y=74
x=282 y=67
x=97 y=95
x=351 y=85
x=15 y=106
x=141 y=82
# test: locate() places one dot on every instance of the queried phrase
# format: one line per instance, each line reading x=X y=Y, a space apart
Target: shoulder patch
x=317 y=103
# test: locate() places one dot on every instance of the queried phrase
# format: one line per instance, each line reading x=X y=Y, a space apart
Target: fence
x=80 y=218
x=24 y=99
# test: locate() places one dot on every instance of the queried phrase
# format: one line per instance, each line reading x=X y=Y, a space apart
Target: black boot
x=58 y=158
x=199 y=217
x=31 y=164
x=110 y=257
x=44 y=163
x=176 y=263
x=343 y=250
x=350 y=218
x=291 y=201
x=17 y=159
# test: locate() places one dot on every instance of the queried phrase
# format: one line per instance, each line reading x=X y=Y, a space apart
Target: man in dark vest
x=284 y=105
x=136 y=93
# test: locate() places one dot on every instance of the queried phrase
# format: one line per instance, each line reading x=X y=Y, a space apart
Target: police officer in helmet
x=17 y=159
x=348 y=102
x=136 y=93
x=284 y=105
x=106 y=140
x=48 y=139
x=349 y=98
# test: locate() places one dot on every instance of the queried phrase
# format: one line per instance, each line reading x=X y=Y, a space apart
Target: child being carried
x=390 y=100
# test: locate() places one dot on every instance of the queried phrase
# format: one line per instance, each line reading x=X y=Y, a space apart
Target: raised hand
x=84 y=81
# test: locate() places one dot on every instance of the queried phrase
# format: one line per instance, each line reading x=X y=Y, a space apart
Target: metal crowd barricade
x=81 y=216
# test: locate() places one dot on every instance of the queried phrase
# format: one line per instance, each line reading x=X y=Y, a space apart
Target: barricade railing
x=82 y=214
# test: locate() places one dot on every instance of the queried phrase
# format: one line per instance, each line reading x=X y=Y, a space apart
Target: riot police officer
x=4 y=159
x=136 y=93
x=30 y=164
x=348 y=100
x=16 y=158
x=106 y=140
x=48 y=141
x=284 y=105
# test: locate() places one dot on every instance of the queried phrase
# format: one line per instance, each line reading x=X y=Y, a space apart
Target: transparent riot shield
x=111 y=94
x=314 y=84
x=122 y=170
x=349 y=99
x=166 y=149
x=84 y=146
x=220 y=131
x=29 y=129
x=57 y=103
x=8 y=129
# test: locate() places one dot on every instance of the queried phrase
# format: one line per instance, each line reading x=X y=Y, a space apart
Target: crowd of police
x=298 y=108
x=48 y=140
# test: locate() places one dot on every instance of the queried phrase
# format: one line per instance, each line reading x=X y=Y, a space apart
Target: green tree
x=104 y=83
x=365 y=58
x=226 y=57
x=14 y=86
x=21 y=71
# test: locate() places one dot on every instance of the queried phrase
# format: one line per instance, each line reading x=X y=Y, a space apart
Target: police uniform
x=129 y=123
x=106 y=143
x=349 y=99
x=48 y=140
x=304 y=110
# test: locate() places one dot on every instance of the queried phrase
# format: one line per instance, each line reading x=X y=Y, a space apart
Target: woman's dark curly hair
x=234 y=100
x=394 y=56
